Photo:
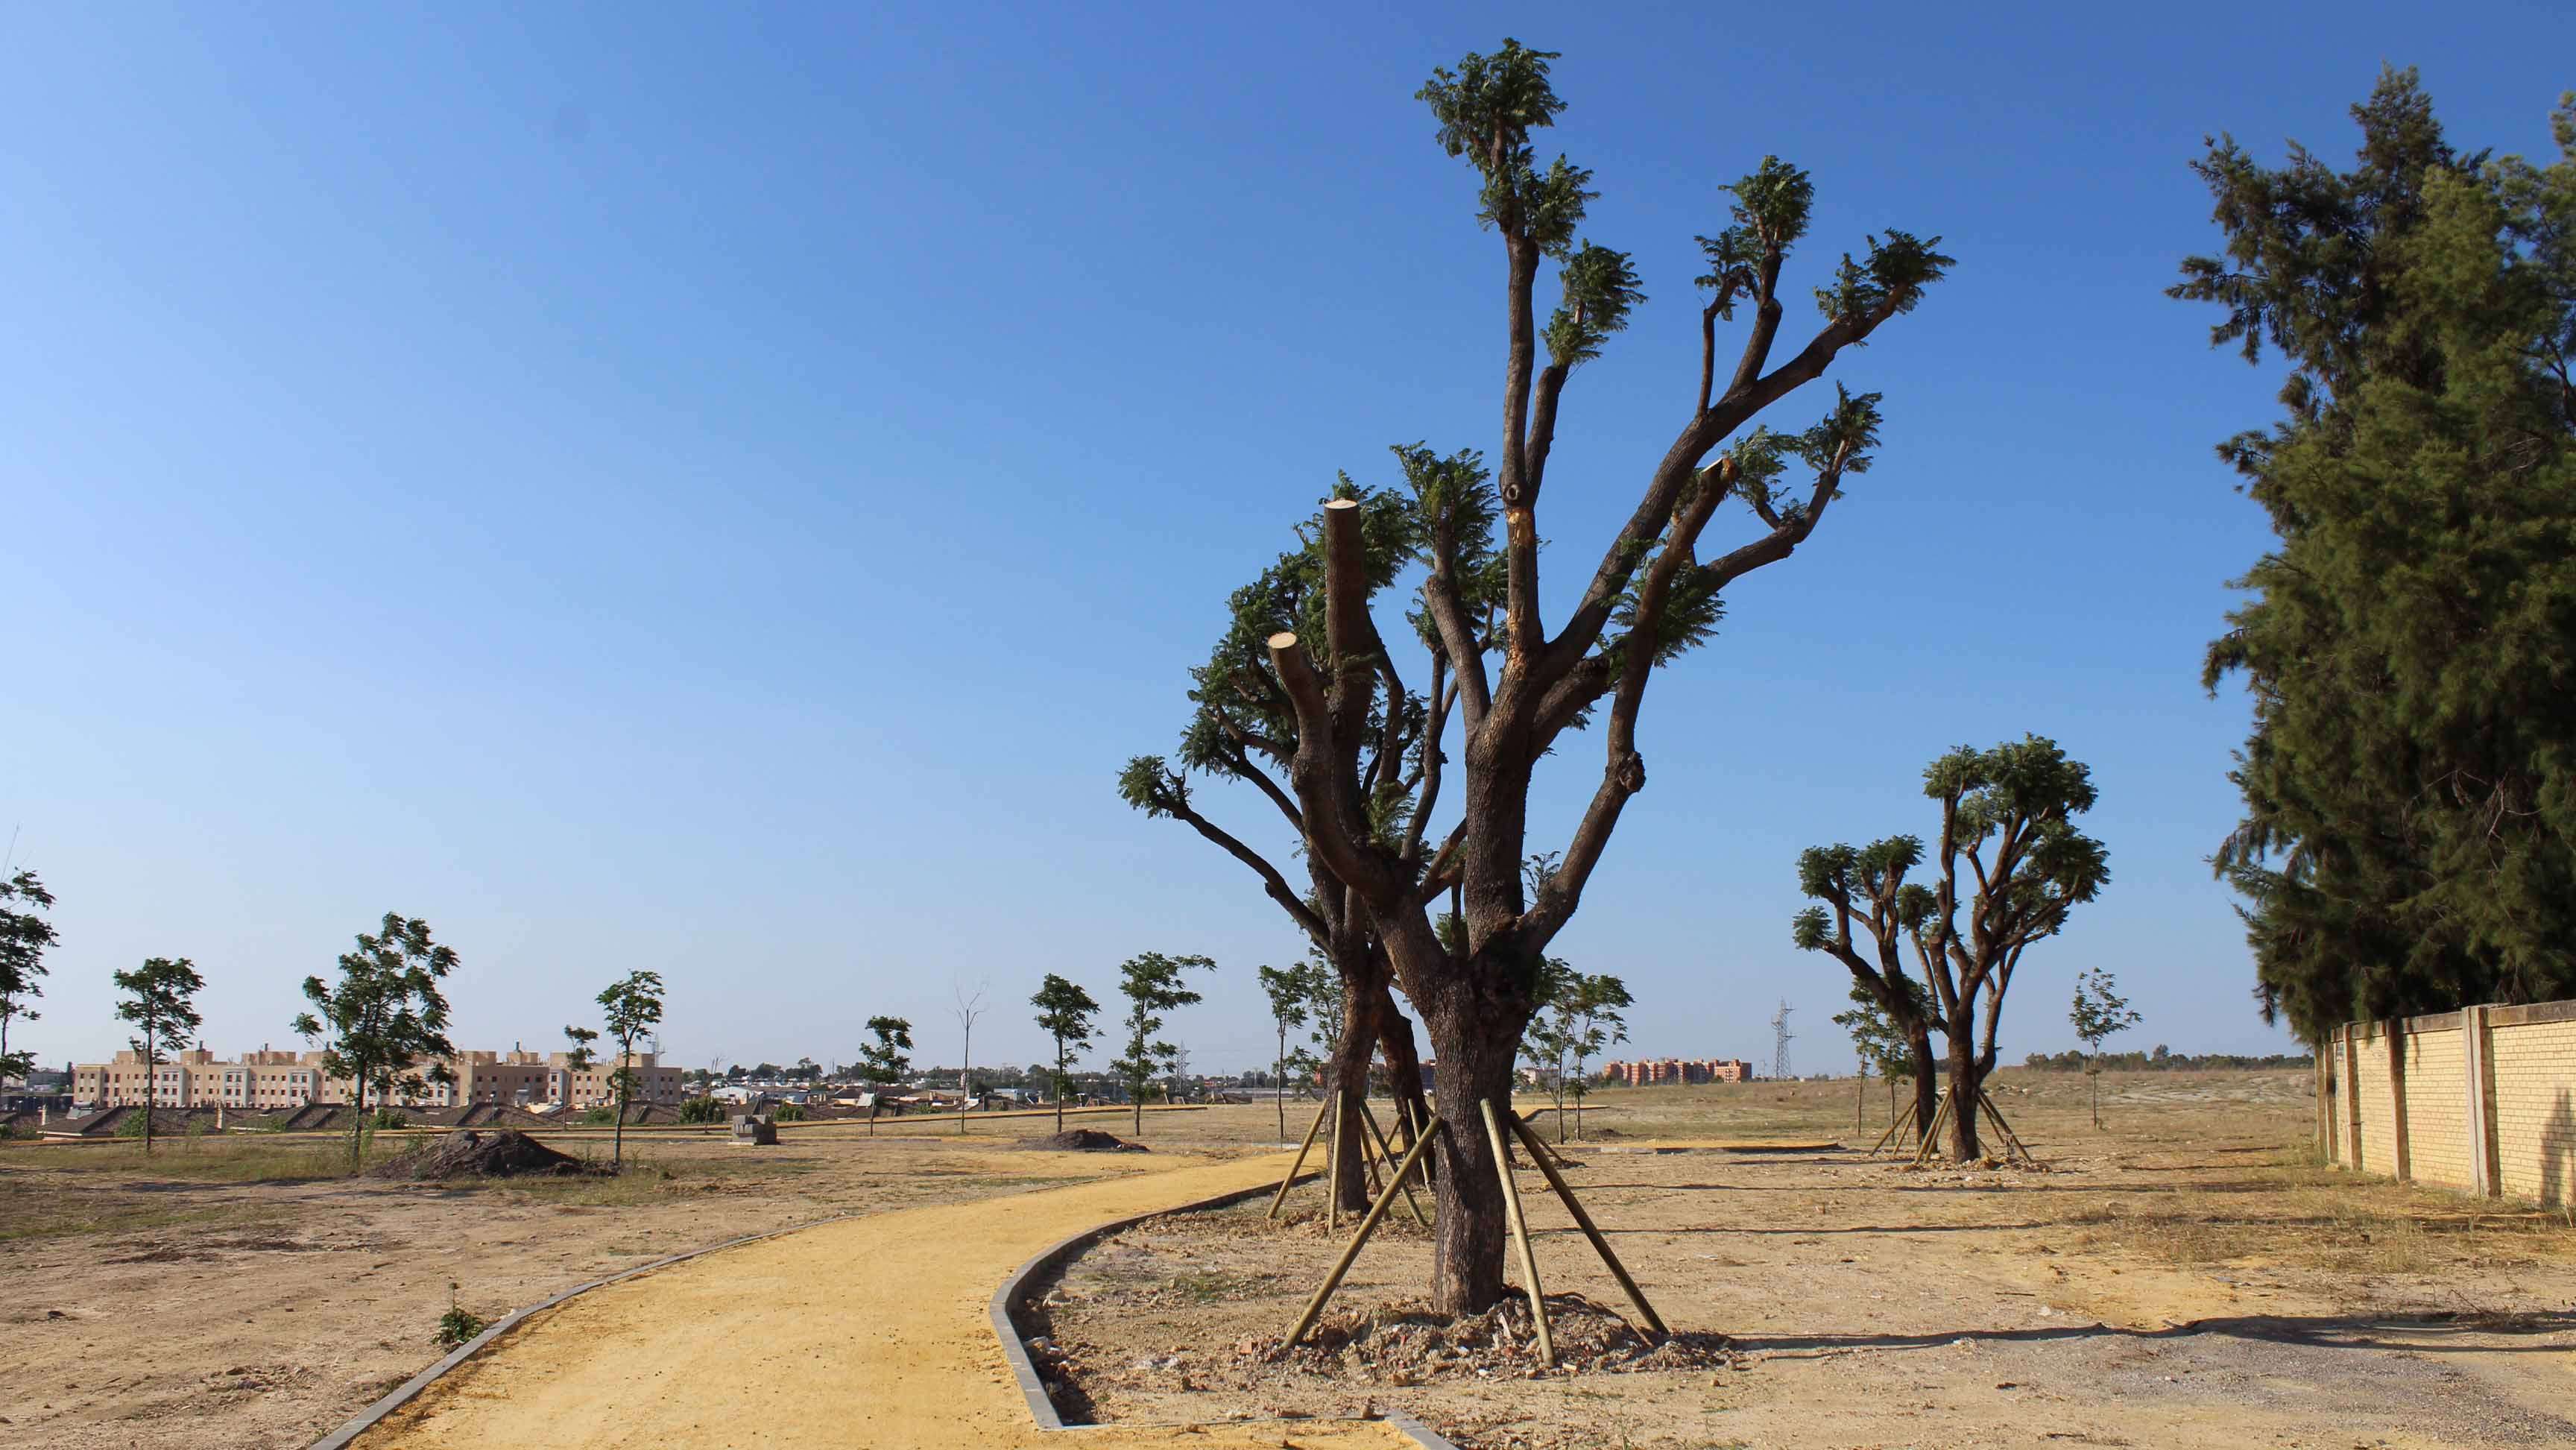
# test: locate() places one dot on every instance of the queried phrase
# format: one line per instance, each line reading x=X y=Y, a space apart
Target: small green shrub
x=457 y=1325
x=602 y=1116
x=788 y=1113
x=702 y=1110
x=383 y=1118
x=132 y=1127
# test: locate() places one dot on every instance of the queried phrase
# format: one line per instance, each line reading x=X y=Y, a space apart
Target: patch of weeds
x=458 y=1325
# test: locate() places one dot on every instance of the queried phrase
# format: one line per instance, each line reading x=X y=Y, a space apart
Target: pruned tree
x=24 y=936
x=2100 y=1014
x=2007 y=814
x=885 y=1060
x=159 y=1001
x=633 y=1004
x=385 y=1018
x=1151 y=983
x=1516 y=688
x=1879 y=1044
x=1065 y=1015
x=1865 y=887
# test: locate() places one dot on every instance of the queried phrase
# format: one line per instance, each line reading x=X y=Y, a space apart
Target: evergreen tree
x=2409 y=836
x=634 y=1007
x=1518 y=689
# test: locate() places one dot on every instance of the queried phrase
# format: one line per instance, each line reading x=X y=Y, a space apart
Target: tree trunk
x=1058 y=1085
x=1403 y=1075
x=1476 y=1054
x=1860 y=1099
x=1347 y=1078
x=1965 y=1086
x=357 y=1123
x=1279 y=1084
x=1927 y=1083
x=151 y=1099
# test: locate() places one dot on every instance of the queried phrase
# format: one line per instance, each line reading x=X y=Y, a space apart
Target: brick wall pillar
x=2478 y=1077
x=2395 y=1031
x=2352 y=1096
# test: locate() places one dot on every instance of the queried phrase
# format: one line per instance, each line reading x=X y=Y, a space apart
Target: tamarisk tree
x=2007 y=814
x=1517 y=687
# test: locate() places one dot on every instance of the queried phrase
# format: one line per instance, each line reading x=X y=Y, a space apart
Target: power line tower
x=1780 y=1035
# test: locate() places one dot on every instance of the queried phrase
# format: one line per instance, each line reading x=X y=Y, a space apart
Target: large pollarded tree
x=1242 y=728
x=1518 y=687
x=2006 y=867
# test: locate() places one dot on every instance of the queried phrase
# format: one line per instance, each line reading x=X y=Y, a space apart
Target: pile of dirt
x=1081 y=1140
x=468 y=1153
x=1400 y=1344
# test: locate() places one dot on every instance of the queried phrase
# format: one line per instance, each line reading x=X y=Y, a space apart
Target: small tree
x=1292 y=993
x=634 y=1005
x=158 y=1003
x=1579 y=1015
x=1878 y=1044
x=1152 y=985
x=2100 y=1013
x=885 y=1061
x=385 y=1017
x=24 y=935
x=1065 y=1013
x=970 y=1005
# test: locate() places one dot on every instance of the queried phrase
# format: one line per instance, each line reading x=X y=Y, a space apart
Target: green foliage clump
x=2408 y=843
x=458 y=1325
x=600 y=1115
x=702 y=1110
x=788 y=1113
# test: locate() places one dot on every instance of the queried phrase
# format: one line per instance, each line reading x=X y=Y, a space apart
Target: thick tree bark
x=1966 y=1082
x=1476 y=1056
x=1346 y=1076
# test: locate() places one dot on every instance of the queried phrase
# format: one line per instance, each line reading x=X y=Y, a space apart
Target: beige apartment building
x=267 y=1079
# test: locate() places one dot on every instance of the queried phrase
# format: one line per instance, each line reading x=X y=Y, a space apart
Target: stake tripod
x=1374 y=1149
x=1940 y=1116
x=1414 y=1160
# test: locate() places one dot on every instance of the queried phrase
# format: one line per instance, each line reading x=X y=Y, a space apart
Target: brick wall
x=2437 y=1118
x=2488 y=1100
x=2535 y=1106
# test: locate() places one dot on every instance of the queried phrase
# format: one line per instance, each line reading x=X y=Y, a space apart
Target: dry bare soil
x=245 y=1291
x=2182 y=1278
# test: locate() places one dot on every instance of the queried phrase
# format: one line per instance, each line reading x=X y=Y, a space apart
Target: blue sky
x=722 y=491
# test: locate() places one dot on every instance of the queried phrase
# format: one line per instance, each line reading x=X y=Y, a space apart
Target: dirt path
x=867 y=1332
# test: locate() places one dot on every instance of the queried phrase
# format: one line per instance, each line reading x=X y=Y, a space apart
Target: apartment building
x=266 y=1079
x=1677 y=1070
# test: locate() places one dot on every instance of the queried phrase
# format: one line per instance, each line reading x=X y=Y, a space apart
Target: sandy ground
x=2176 y=1281
x=151 y=1304
x=869 y=1332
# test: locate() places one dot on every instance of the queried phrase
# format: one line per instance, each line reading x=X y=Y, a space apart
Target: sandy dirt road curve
x=870 y=1332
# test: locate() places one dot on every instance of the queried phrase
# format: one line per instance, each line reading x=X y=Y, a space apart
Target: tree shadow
x=2419 y=1333
x=2557 y=1152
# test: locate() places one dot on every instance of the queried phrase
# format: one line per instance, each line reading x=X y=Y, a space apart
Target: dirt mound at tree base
x=468 y=1153
x=1406 y=1344
x=1081 y=1140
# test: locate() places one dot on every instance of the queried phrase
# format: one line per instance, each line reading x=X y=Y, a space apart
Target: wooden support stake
x=1303 y=1149
x=1894 y=1127
x=1389 y=1153
x=2012 y=1140
x=1333 y=1170
x=1932 y=1135
x=1368 y=1225
x=1520 y=1234
x=1583 y=1221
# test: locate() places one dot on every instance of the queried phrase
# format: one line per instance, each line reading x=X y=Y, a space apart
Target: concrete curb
x=1014 y=1289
